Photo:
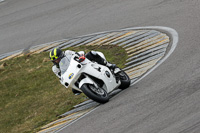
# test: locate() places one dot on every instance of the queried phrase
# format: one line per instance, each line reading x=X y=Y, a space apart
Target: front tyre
x=97 y=94
x=124 y=78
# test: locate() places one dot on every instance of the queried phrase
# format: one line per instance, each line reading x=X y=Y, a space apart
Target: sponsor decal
x=71 y=75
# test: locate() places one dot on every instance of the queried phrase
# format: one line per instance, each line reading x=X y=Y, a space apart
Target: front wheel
x=97 y=94
x=124 y=78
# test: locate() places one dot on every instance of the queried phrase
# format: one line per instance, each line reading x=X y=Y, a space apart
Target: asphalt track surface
x=165 y=101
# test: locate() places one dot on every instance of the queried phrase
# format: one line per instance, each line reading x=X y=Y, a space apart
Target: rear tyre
x=125 y=80
x=97 y=94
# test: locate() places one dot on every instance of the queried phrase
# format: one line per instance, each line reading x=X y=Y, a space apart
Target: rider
x=56 y=55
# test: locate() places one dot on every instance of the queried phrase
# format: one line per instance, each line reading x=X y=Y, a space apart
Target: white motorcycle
x=94 y=80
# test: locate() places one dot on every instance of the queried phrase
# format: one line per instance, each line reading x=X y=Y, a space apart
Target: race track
x=165 y=101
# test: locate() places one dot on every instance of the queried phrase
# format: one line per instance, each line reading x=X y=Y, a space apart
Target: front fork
x=87 y=80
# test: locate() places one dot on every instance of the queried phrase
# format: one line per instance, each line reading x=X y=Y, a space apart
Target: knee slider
x=94 y=53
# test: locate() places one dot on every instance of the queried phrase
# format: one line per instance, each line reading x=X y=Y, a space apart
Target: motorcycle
x=94 y=80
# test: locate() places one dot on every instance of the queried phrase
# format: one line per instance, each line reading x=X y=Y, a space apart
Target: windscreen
x=64 y=64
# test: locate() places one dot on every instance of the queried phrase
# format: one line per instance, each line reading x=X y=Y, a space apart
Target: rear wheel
x=97 y=94
x=124 y=78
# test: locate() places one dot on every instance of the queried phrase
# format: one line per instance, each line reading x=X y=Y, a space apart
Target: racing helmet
x=56 y=55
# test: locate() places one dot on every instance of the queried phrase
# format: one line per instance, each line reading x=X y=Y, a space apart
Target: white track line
x=76 y=120
x=168 y=31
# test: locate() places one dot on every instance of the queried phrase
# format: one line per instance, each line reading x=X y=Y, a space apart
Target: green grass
x=32 y=96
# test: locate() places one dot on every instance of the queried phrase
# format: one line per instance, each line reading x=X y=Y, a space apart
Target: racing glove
x=81 y=58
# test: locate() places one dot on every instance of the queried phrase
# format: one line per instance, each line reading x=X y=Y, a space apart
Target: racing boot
x=111 y=66
x=94 y=56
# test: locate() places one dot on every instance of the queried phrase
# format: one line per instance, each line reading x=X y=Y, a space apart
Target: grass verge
x=31 y=95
